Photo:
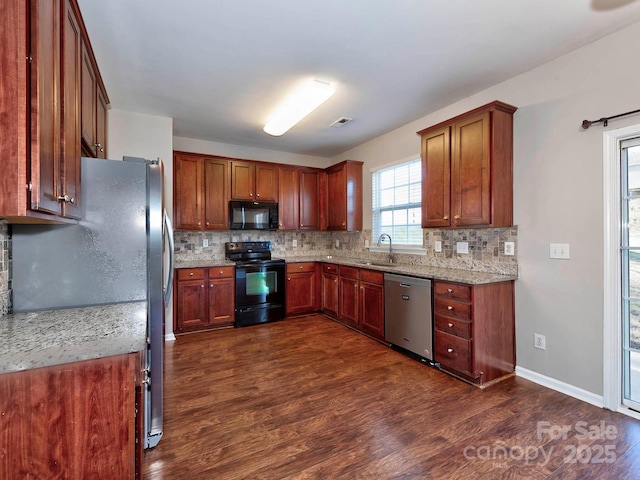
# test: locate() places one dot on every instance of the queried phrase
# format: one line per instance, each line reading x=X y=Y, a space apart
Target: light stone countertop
x=422 y=271
x=53 y=337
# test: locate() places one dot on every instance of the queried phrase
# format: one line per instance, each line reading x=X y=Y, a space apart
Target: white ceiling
x=218 y=67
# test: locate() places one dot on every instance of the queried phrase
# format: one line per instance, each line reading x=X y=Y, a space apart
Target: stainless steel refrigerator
x=121 y=251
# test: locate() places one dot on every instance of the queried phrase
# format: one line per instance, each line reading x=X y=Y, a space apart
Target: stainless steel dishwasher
x=407 y=314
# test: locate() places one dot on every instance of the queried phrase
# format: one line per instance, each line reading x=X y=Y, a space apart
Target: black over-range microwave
x=253 y=215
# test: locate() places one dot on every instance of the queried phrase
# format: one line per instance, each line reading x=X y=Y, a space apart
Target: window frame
x=376 y=210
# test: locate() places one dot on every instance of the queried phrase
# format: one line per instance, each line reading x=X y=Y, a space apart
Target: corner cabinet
x=475 y=330
x=41 y=108
x=201 y=192
x=467 y=169
x=344 y=196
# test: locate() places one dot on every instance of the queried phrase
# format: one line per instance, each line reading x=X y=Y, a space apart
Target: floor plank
x=308 y=398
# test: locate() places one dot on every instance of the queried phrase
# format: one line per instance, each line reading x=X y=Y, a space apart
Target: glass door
x=630 y=257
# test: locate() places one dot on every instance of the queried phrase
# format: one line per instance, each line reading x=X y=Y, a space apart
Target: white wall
x=248 y=153
x=558 y=196
x=147 y=136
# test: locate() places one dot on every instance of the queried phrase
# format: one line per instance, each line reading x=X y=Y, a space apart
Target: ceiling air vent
x=341 y=121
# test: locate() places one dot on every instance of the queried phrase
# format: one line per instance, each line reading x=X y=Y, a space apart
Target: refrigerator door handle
x=169 y=232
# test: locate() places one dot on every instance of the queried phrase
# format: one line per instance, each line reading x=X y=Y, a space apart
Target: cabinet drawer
x=350 y=272
x=221 y=272
x=301 y=267
x=453 y=326
x=329 y=268
x=451 y=308
x=372 y=277
x=453 y=352
x=191 y=273
x=453 y=290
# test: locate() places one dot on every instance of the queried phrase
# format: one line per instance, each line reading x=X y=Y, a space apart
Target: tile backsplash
x=486 y=247
x=5 y=274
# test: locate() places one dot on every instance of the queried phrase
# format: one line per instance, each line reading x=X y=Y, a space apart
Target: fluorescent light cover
x=297 y=106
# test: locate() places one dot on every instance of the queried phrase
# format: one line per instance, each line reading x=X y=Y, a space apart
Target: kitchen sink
x=379 y=264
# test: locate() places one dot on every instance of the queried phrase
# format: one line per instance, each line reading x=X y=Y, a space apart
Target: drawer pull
x=449 y=307
x=191 y=274
x=449 y=290
x=211 y=286
x=450 y=350
x=450 y=325
x=220 y=272
x=301 y=267
x=289 y=278
x=201 y=286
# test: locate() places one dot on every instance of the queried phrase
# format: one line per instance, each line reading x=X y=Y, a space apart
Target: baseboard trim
x=169 y=337
x=562 y=387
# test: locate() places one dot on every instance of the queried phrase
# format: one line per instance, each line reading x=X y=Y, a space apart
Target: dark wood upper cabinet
x=310 y=212
x=344 y=195
x=94 y=109
x=288 y=198
x=201 y=192
x=467 y=169
x=42 y=62
x=255 y=181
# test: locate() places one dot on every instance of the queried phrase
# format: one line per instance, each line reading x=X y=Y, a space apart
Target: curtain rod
x=605 y=120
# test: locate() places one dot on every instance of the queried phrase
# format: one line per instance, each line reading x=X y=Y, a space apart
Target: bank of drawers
x=453 y=315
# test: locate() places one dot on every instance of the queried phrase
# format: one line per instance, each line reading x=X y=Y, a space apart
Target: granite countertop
x=52 y=337
x=423 y=271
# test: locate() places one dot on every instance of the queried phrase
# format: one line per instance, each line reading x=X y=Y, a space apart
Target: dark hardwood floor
x=308 y=398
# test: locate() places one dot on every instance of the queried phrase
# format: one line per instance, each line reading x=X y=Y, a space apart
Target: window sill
x=408 y=249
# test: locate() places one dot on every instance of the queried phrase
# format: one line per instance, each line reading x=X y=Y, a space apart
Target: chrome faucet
x=390 y=247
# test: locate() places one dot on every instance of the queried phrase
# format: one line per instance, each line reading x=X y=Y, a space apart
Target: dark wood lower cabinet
x=302 y=288
x=475 y=330
x=75 y=420
x=205 y=298
x=360 y=294
x=329 y=304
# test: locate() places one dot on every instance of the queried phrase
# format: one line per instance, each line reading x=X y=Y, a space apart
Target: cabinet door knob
x=449 y=290
x=289 y=278
x=201 y=286
x=67 y=199
x=449 y=307
x=198 y=223
x=211 y=286
x=280 y=224
x=450 y=350
x=446 y=217
x=344 y=223
x=335 y=281
x=450 y=325
x=251 y=194
x=257 y=194
x=207 y=224
x=456 y=217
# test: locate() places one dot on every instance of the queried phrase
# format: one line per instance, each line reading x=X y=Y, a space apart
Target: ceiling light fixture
x=297 y=106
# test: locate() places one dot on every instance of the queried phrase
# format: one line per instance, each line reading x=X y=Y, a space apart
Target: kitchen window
x=397 y=203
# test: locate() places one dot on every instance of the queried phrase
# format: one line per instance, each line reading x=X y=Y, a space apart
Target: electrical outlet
x=294 y=243
x=539 y=341
x=559 y=251
x=509 y=248
x=205 y=242
x=438 y=247
x=462 y=247
x=337 y=243
x=366 y=243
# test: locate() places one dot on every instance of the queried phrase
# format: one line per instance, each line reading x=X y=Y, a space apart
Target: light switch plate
x=337 y=243
x=205 y=242
x=294 y=242
x=438 y=247
x=462 y=247
x=559 y=251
